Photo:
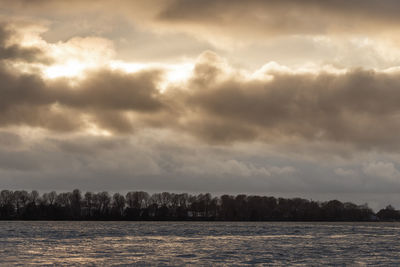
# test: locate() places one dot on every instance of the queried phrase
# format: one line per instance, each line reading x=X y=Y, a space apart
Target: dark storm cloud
x=235 y=17
x=105 y=96
x=16 y=52
x=40 y=116
x=284 y=16
x=116 y=91
x=359 y=107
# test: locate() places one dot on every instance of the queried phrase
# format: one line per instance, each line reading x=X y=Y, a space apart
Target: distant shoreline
x=141 y=206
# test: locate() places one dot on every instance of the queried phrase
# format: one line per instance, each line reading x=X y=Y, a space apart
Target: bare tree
x=119 y=203
x=34 y=197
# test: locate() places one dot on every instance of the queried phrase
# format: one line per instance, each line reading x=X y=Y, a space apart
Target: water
x=199 y=243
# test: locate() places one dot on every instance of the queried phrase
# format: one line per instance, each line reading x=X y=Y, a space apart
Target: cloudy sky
x=284 y=98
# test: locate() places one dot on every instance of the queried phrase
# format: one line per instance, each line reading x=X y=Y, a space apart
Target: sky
x=284 y=98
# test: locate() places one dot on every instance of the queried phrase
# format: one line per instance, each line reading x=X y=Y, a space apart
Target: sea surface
x=199 y=243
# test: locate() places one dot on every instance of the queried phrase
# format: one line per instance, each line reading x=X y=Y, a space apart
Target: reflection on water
x=200 y=243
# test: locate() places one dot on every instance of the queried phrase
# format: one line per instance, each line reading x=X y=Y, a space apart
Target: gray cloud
x=257 y=18
x=9 y=140
x=284 y=17
x=116 y=90
x=112 y=100
x=358 y=108
x=105 y=96
x=161 y=162
x=15 y=52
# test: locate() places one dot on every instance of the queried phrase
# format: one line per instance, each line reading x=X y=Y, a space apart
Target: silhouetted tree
x=20 y=198
x=76 y=199
x=34 y=197
x=118 y=205
x=89 y=203
x=50 y=198
x=388 y=214
x=7 y=207
x=104 y=201
x=139 y=205
x=227 y=208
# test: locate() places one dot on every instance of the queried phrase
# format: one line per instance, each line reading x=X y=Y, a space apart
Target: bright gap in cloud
x=72 y=68
x=94 y=130
x=174 y=73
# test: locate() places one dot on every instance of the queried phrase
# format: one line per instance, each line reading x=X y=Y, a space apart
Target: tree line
x=139 y=205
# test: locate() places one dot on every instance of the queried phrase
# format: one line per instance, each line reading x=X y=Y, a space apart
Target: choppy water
x=199 y=243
